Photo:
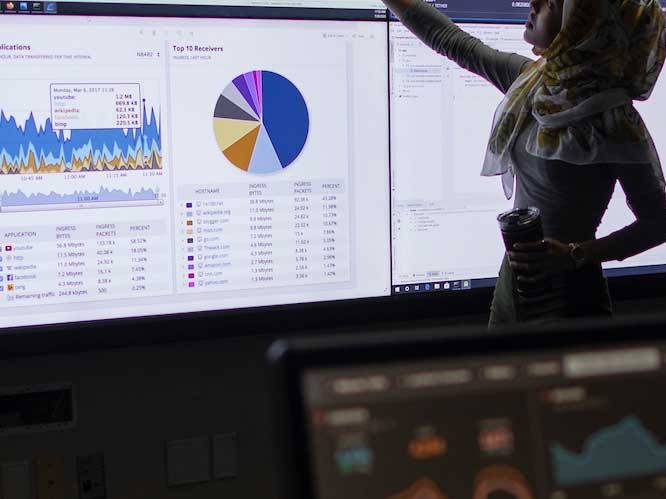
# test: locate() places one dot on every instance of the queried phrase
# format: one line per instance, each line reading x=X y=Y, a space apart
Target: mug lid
x=519 y=217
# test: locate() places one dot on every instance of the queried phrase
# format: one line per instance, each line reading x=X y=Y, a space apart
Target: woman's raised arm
x=442 y=35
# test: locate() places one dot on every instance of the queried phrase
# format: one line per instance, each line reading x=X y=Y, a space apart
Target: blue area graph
x=20 y=199
x=624 y=450
x=28 y=148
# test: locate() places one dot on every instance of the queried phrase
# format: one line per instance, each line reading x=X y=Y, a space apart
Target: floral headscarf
x=580 y=92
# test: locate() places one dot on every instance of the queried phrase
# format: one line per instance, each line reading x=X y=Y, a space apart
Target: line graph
x=31 y=148
x=626 y=449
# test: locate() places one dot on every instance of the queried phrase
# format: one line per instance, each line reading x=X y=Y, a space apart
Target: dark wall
x=131 y=401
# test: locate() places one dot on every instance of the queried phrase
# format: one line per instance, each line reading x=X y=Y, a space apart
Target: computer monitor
x=191 y=155
x=572 y=413
x=444 y=230
x=218 y=155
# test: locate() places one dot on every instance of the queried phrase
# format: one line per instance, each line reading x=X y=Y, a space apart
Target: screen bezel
x=290 y=359
x=270 y=321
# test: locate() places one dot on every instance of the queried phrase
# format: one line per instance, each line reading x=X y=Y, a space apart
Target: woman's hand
x=534 y=262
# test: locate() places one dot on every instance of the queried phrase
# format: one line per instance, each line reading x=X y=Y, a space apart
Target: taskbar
x=486 y=11
x=12 y=7
x=443 y=286
x=489 y=282
x=192 y=11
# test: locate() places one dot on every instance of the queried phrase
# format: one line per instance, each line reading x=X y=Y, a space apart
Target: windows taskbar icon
x=19 y=7
x=434 y=286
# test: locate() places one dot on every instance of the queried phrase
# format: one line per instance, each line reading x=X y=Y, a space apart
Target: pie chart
x=261 y=122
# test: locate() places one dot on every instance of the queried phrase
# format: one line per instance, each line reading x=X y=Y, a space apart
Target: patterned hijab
x=580 y=92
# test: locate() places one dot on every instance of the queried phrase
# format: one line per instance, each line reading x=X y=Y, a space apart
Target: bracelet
x=577 y=255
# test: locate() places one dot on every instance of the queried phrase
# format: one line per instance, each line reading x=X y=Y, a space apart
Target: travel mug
x=523 y=225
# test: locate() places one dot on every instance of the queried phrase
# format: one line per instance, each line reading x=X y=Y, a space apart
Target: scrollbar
x=80 y=206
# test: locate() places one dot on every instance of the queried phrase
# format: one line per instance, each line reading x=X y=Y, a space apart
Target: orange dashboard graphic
x=496 y=478
x=501 y=478
x=423 y=488
x=427 y=447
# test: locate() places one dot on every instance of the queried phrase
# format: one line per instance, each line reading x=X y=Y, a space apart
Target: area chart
x=27 y=148
x=626 y=449
x=261 y=122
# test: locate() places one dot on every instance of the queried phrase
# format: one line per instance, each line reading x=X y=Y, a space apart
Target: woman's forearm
x=438 y=32
x=631 y=240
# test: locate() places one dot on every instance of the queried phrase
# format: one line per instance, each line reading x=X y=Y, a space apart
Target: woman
x=564 y=133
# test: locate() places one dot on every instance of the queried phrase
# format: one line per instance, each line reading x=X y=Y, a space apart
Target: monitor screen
x=571 y=422
x=158 y=159
x=444 y=230
x=204 y=155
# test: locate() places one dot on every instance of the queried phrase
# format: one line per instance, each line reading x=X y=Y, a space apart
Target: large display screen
x=201 y=155
x=165 y=163
x=559 y=424
x=445 y=234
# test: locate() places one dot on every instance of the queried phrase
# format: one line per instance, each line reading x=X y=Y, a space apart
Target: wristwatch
x=577 y=254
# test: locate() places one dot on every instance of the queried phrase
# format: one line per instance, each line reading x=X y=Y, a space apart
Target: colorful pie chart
x=261 y=122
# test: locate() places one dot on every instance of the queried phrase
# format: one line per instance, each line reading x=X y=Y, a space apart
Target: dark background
x=139 y=384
